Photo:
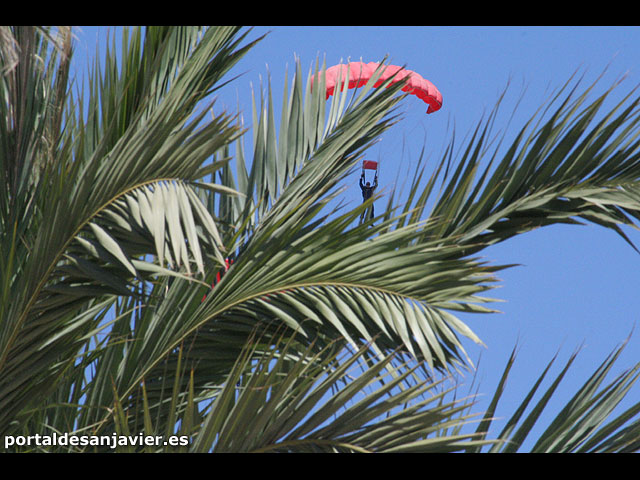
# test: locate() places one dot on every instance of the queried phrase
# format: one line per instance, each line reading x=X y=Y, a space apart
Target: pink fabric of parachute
x=360 y=73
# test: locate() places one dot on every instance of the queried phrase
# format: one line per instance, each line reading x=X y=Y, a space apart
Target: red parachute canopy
x=359 y=73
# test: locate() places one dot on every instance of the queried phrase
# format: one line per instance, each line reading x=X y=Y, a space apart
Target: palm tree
x=161 y=279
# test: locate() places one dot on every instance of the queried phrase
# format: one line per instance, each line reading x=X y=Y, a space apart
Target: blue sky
x=577 y=287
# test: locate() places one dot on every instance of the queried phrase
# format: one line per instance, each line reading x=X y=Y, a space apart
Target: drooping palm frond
x=328 y=402
x=349 y=281
x=61 y=228
x=302 y=266
x=296 y=266
x=579 y=162
x=121 y=320
x=573 y=162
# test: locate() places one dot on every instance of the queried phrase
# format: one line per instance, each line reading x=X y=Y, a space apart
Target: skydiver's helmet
x=368 y=184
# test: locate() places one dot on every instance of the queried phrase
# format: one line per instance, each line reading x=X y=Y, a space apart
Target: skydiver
x=367 y=192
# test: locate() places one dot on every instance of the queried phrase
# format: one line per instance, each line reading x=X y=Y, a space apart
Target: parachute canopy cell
x=359 y=74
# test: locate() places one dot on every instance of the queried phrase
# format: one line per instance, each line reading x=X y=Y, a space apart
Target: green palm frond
x=375 y=284
x=577 y=162
x=589 y=423
x=329 y=402
x=337 y=276
x=64 y=253
x=163 y=274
